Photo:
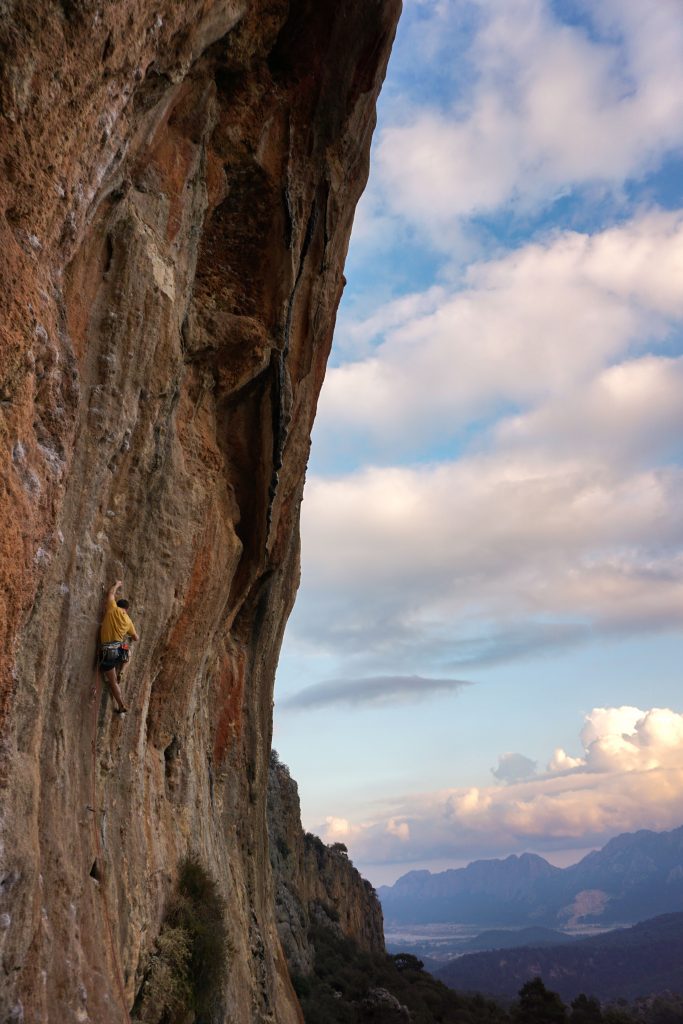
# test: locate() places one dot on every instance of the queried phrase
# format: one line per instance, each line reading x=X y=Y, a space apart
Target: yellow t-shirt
x=115 y=624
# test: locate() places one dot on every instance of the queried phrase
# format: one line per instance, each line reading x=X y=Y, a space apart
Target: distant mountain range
x=635 y=876
x=644 y=960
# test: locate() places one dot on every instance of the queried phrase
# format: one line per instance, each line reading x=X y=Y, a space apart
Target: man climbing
x=116 y=628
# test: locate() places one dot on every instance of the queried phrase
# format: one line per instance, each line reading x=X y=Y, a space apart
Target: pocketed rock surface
x=177 y=187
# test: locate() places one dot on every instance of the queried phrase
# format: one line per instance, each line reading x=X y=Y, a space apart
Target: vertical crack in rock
x=282 y=385
x=177 y=191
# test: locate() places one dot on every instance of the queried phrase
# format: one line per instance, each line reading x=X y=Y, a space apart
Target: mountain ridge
x=634 y=876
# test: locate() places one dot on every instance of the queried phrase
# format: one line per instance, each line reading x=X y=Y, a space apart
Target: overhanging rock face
x=177 y=189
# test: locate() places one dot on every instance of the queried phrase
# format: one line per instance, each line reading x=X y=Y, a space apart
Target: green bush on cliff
x=165 y=993
x=187 y=969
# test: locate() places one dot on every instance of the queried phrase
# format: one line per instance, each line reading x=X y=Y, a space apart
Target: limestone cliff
x=314 y=883
x=177 y=190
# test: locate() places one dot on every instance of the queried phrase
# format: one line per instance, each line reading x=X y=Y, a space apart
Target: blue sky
x=485 y=653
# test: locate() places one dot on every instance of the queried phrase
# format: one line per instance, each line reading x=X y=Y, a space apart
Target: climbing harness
x=95 y=694
x=111 y=654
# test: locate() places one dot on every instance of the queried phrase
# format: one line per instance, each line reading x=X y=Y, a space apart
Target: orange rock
x=177 y=190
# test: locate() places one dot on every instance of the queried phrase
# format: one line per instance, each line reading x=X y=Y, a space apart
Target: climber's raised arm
x=116 y=627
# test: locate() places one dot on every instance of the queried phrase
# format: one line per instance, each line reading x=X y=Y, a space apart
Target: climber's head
x=122 y=603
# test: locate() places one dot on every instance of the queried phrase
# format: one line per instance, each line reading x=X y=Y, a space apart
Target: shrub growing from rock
x=187 y=968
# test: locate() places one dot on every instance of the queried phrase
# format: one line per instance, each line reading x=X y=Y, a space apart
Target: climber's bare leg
x=111 y=677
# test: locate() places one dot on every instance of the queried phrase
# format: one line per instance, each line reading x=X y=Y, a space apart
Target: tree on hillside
x=407 y=962
x=585 y=1010
x=538 y=1005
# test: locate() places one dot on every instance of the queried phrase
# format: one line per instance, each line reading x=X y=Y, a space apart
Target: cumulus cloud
x=631 y=411
x=336 y=829
x=486 y=558
x=355 y=338
x=514 y=768
x=627 y=739
x=542 y=321
x=561 y=761
x=552 y=106
x=629 y=776
x=399 y=829
x=373 y=691
x=559 y=523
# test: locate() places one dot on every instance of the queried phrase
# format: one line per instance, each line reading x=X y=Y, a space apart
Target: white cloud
x=630 y=411
x=336 y=828
x=356 y=338
x=543 y=321
x=489 y=556
x=399 y=829
x=630 y=776
x=609 y=722
x=550 y=108
x=559 y=524
x=627 y=739
x=561 y=761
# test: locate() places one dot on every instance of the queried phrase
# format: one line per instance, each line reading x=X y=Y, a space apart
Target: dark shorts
x=112 y=659
x=107 y=665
